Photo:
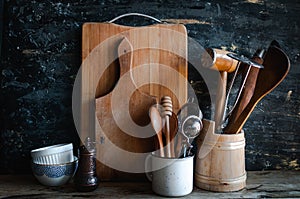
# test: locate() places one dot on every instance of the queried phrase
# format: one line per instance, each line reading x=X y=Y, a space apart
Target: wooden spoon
x=157 y=125
x=276 y=66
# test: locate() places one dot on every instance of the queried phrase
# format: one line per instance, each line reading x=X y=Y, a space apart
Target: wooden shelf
x=264 y=184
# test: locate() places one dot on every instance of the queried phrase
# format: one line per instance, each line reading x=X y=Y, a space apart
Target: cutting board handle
x=134 y=14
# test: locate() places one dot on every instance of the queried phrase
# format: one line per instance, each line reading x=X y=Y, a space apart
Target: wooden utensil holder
x=220 y=160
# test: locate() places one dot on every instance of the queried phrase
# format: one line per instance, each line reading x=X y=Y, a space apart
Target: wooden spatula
x=276 y=66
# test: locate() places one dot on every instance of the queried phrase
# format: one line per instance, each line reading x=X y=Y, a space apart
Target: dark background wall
x=41 y=53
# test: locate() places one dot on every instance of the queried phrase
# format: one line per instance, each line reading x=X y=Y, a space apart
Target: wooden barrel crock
x=220 y=164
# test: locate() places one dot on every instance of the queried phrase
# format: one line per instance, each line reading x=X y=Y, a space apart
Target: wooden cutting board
x=157 y=66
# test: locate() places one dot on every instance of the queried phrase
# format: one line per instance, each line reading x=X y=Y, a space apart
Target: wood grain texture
x=260 y=184
x=222 y=167
x=220 y=99
x=156 y=66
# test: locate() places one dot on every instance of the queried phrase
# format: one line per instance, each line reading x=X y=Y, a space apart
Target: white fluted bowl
x=56 y=154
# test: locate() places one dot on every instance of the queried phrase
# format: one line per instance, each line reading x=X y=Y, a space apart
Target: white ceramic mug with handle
x=170 y=176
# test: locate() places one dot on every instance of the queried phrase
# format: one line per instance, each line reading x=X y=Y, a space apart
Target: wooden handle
x=245 y=97
x=178 y=147
x=220 y=99
x=157 y=126
x=166 y=102
x=173 y=132
x=161 y=144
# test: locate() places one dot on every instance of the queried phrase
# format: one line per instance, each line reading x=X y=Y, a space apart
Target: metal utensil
x=191 y=128
x=188 y=109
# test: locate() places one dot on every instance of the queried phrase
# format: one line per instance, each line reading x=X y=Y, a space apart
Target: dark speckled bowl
x=54 y=174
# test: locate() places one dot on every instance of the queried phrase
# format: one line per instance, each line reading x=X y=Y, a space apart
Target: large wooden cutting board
x=158 y=67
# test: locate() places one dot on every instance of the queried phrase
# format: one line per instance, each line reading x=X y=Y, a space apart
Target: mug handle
x=148 y=168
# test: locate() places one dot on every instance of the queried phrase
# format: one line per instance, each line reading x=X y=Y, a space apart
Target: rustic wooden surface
x=265 y=184
x=41 y=54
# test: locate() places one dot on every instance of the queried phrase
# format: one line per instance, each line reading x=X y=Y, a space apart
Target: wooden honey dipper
x=166 y=103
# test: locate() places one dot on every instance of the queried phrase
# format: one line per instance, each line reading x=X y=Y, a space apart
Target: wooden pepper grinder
x=86 y=177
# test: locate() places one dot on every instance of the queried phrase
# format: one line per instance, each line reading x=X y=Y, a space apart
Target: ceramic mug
x=170 y=176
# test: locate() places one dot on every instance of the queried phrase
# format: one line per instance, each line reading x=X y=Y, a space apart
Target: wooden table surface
x=262 y=184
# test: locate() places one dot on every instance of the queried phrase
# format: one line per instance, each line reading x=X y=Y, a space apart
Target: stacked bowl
x=54 y=165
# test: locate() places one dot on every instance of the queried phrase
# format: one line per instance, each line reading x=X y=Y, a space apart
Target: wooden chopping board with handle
x=119 y=86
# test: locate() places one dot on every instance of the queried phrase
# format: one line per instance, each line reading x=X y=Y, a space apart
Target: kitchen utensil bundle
x=171 y=169
x=276 y=66
x=179 y=129
x=220 y=164
x=231 y=121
